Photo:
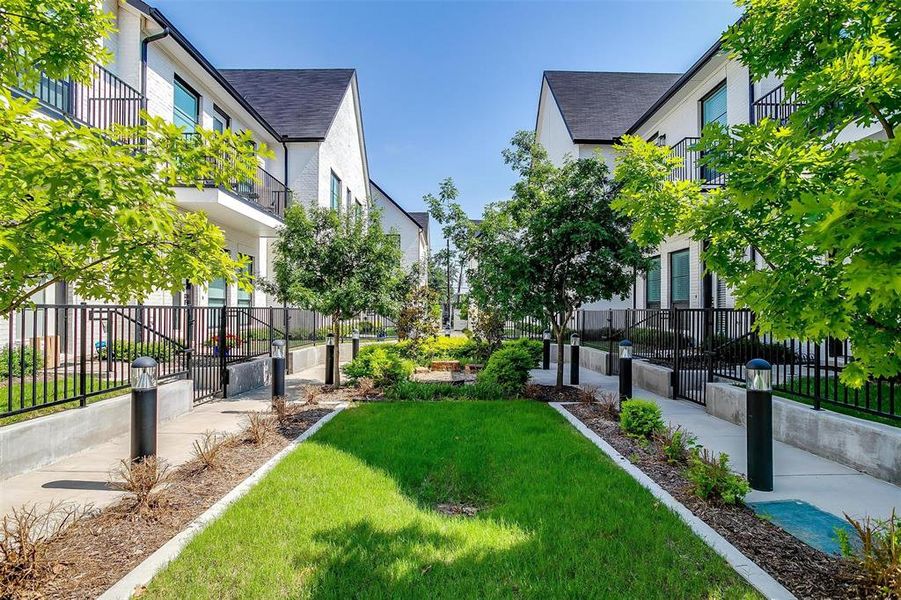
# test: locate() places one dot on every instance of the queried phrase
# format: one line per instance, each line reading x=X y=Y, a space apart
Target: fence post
x=271 y=334
x=816 y=377
x=83 y=360
x=609 y=341
x=677 y=352
x=287 y=336
x=189 y=326
x=223 y=348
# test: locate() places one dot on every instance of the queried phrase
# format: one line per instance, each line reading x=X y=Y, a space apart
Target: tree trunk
x=559 y=332
x=336 y=329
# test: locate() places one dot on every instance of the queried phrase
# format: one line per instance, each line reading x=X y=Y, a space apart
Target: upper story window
x=221 y=121
x=335 y=192
x=349 y=202
x=679 y=277
x=652 y=284
x=186 y=106
x=358 y=209
x=245 y=298
x=713 y=107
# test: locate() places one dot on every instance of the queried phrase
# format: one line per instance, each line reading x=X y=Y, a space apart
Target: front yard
x=448 y=500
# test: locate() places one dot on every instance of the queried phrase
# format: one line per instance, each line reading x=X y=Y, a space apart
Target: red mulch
x=803 y=570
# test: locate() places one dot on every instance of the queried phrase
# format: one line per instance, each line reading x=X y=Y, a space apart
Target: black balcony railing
x=105 y=101
x=775 y=106
x=691 y=168
x=264 y=191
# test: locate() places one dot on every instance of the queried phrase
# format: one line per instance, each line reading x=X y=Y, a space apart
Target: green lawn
x=350 y=514
x=62 y=388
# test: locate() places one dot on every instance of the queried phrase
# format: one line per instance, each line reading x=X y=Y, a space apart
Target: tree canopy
x=821 y=212
x=336 y=263
x=96 y=207
x=556 y=245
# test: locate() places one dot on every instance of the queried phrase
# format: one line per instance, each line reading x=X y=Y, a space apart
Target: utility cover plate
x=806 y=522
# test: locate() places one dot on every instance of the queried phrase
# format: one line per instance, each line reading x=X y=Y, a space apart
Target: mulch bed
x=803 y=570
x=547 y=393
x=96 y=552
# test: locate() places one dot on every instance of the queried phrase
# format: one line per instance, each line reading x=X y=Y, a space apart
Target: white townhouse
x=309 y=118
x=579 y=112
x=411 y=230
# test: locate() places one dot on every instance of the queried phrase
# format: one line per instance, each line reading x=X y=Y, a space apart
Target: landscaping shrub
x=675 y=444
x=876 y=553
x=712 y=480
x=382 y=364
x=640 y=418
x=207 y=450
x=259 y=334
x=533 y=347
x=162 y=351
x=412 y=391
x=145 y=485
x=508 y=368
x=19 y=361
x=257 y=427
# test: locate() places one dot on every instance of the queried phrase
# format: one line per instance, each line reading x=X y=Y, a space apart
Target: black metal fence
x=71 y=355
x=714 y=344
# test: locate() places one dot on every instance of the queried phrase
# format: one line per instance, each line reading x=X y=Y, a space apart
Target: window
x=713 y=107
x=679 y=279
x=245 y=298
x=216 y=293
x=652 y=284
x=349 y=200
x=186 y=106
x=358 y=209
x=713 y=110
x=336 y=192
x=221 y=121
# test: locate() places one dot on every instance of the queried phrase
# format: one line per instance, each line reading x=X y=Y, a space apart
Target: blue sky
x=445 y=85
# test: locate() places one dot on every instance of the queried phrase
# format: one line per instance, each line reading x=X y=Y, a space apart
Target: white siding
x=551 y=129
x=394 y=220
x=342 y=153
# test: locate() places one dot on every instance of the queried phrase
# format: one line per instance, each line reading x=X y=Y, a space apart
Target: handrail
x=692 y=168
x=776 y=105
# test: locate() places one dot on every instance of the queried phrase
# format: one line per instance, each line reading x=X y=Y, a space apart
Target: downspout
x=285 y=147
x=144 y=43
x=751 y=117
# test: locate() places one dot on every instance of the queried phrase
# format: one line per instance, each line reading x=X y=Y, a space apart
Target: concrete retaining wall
x=653 y=378
x=313 y=356
x=32 y=444
x=870 y=447
x=250 y=375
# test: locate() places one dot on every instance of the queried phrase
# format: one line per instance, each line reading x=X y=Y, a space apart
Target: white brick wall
x=551 y=131
x=341 y=152
x=394 y=220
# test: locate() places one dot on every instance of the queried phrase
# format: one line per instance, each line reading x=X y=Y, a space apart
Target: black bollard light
x=625 y=371
x=447 y=331
x=758 y=379
x=574 y=341
x=546 y=355
x=330 y=359
x=278 y=368
x=354 y=343
x=143 y=408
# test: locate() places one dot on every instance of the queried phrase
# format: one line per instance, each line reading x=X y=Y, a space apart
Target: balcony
x=691 y=168
x=105 y=101
x=775 y=106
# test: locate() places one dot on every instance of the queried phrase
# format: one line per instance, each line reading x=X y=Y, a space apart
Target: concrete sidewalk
x=82 y=478
x=798 y=475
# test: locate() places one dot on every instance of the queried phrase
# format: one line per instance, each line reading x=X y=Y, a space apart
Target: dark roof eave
x=711 y=52
x=588 y=141
x=207 y=66
x=289 y=139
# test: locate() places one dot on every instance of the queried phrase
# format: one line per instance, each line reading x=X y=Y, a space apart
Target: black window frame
x=176 y=80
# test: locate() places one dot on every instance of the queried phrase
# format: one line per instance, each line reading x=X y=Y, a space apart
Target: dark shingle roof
x=600 y=107
x=299 y=103
x=421 y=218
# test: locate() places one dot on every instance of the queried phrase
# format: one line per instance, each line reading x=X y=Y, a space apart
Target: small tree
x=456 y=228
x=556 y=244
x=420 y=312
x=336 y=264
x=821 y=213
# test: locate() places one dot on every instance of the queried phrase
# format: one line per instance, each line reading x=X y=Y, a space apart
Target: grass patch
x=352 y=514
x=834 y=390
x=61 y=388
